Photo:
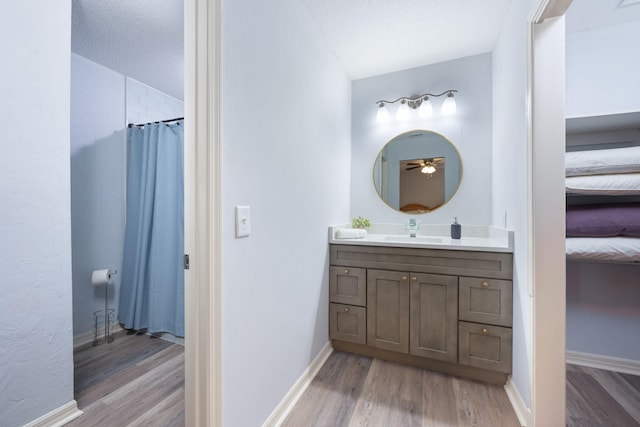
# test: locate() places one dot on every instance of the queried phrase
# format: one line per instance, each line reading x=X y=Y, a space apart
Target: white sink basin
x=418 y=239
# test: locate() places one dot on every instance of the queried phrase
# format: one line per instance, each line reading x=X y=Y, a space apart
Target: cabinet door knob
x=485 y=284
x=346 y=272
x=404 y=278
x=414 y=278
x=346 y=309
x=485 y=331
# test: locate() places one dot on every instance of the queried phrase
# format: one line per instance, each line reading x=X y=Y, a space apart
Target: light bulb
x=449 y=105
x=383 y=114
x=428 y=169
x=426 y=109
x=403 y=111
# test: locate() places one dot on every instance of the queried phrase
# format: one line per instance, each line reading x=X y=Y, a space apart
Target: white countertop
x=485 y=238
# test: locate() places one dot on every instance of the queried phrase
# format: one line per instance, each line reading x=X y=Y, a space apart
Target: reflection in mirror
x=417 y=172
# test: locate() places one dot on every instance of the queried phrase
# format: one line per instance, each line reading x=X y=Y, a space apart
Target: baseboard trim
x=522 y=411
x=166 y=336
x=608 y=363
x=86 y=338
x=285 y=406
x=58 y=417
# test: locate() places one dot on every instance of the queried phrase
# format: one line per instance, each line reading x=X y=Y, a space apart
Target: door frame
x=202 y=98
x=203 y=376
x=546 y=209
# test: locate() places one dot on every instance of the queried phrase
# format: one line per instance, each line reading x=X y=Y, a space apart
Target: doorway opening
x=122 y=72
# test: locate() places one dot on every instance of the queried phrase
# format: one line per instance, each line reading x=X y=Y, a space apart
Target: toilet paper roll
x=101 y=277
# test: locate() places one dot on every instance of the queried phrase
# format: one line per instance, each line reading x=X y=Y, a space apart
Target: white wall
x=509 y=179
x=36 y=368
x=603 y=309
x=469 y=130
x=286 y=154
x=97 y=185
x=146 y=104
x=602 y=71
x=102 y=103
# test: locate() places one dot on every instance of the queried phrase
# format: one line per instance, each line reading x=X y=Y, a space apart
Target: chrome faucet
x=412 y=226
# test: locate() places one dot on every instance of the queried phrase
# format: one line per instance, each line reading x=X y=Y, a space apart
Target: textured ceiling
x=588 y=15
x=371 y=37
x=142 y=39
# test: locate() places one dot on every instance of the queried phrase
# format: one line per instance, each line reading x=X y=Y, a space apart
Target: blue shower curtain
x=152 y=290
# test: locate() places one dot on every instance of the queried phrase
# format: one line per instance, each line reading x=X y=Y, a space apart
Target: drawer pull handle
x=346 y=309
x=485 y=284
x=346 y=272
x=404 y=278
x=485 y=331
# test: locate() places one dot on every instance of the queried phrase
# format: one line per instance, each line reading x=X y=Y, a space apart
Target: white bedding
x=603 y=249
x=598 y=162
x=610 y=185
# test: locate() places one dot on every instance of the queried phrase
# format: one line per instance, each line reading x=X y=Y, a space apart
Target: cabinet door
x=434 y=317
x=348 y=285
x=486 y=301
x=347 y=323
x=485 y=346
x=388 y=310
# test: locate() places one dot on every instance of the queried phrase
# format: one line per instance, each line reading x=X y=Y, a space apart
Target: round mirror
x=417 y=172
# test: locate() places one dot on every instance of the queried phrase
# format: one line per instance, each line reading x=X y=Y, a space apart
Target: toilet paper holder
x=104 y=320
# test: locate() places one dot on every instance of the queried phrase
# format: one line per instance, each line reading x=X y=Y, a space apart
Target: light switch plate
x=243 y=221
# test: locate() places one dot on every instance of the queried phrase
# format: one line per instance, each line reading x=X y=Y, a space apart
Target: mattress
x=604 y=249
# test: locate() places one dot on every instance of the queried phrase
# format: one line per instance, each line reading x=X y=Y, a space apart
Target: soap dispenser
x=456 y=229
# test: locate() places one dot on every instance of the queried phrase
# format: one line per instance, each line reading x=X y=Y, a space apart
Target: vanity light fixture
x=420 y=102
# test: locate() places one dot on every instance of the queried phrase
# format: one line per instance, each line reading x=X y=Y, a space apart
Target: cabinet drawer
x=348 y=323
x=485 y=301
x=485 y=346
x=348 y=285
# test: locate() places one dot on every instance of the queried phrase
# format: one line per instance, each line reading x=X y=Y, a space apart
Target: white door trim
x=203 y=384
x=545 y=228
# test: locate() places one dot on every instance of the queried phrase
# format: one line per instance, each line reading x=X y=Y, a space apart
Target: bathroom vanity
x=426 y=301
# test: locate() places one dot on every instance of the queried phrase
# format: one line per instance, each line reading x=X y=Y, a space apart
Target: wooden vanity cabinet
x=445 y=310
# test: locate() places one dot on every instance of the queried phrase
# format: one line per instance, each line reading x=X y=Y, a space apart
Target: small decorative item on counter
x=456 y=229
x=360 y=222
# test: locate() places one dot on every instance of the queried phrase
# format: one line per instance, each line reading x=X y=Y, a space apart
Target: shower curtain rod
x=161 y=121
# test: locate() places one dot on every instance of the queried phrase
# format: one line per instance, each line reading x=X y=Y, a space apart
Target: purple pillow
x=604 y=220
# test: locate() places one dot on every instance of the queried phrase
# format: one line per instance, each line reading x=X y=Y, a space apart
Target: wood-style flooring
x=597 y=398
x=136 y=380
x=352 y=390
x=139 y=381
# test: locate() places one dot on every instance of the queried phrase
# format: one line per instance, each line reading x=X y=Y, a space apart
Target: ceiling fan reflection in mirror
x=426 y=166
